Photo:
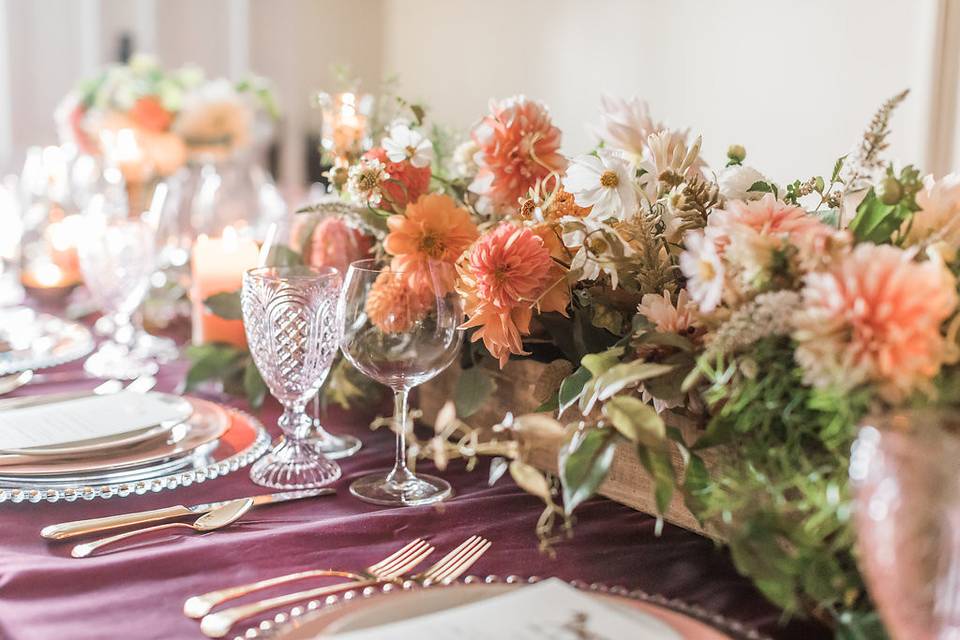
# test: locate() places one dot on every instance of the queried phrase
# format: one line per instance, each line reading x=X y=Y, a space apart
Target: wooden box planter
x=524 y=385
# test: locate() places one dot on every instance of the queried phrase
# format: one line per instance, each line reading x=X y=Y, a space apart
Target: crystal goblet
x=401 y=329
x=289 y=315
x=117 y=258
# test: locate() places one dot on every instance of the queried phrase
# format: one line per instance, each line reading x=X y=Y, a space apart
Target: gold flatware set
x=390 y=569
x=212 y=516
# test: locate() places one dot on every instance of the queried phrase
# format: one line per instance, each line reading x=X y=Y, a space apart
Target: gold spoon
x=210 y=521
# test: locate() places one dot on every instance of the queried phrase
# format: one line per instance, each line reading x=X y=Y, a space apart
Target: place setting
x=298 y=343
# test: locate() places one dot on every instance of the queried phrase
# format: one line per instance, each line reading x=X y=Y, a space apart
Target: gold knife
x=80 y=527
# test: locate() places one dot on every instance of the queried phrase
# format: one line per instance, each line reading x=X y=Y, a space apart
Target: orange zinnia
x=433 y=228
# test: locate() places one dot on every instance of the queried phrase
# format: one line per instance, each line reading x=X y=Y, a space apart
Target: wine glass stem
x=123 y=329
x=400 y=472
x=293 y=424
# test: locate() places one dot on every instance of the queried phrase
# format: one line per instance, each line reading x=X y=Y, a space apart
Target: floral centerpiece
x=171 y=113
x=774 y=316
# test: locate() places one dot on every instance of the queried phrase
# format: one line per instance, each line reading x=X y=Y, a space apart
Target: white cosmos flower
x=701 y=265
x=604 y=182
x=592 y=240
x=404 y=143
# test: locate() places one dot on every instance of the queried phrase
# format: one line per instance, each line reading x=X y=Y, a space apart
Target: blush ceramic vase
x=905 y=472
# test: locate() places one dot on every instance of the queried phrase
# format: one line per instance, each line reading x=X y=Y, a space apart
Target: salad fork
x=449 y=567
x=199 y=606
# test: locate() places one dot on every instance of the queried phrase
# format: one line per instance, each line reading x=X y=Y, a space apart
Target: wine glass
x=289 y=314
x=401 y=329
x=116 y=256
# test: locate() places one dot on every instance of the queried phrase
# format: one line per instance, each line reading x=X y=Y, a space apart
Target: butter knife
x=81 y=527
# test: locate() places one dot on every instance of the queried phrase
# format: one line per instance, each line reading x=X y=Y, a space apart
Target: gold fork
x=449 y=567
x=199 y=606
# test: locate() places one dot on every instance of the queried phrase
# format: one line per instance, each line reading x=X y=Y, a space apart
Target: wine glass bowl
x=401 y=329
x=289 y=315
x=116 y=256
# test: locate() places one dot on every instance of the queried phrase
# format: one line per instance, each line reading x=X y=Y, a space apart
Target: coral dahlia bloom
x=505 y=274
x=875 y=317
x=665 y=316
x=433 y=228
x=405 y=184
x=392 y=305
x=510 y=265
x=768 y=217
x=938 y=220
x=518 y=145
x=336 y=244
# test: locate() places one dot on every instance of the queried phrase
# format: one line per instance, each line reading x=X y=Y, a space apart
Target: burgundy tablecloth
x=138 y=592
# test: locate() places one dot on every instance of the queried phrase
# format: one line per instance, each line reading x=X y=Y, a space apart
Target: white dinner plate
x=398 y=605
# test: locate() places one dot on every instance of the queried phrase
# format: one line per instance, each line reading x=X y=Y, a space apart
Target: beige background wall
x=793 y=81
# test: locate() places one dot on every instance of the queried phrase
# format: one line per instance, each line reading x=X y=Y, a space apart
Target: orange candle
x=217 y=266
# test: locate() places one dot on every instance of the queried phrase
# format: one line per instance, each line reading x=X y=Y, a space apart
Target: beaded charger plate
x=373 y=606
x=30 y=340
x=243 y=441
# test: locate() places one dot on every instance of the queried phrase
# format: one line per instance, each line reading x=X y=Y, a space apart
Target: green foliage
x=636 y=420
x=474 y=387
x=225 y=305
x=881 y=216
x=281 y=255
x=781 y=495
x=231 y=366
x=584 y=462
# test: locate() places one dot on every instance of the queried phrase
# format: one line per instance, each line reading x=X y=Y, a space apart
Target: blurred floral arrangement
x=775 y=316
x=173 y=114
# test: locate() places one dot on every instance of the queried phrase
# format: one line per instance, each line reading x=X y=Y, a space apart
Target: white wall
x=795 y=82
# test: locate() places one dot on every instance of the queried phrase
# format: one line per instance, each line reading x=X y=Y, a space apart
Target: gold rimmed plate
x=399 y=604
x=102 y=446
x=206 y=423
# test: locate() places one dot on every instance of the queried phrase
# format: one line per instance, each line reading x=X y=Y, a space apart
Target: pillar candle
x=217 y=266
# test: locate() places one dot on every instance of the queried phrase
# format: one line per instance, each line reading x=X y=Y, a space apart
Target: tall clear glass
x=289 y=315
x=117 y=258
x=401 y=329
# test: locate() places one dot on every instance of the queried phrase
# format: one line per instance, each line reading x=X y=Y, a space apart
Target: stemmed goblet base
x=294 y=464
x=391 y=488
x=334 y=447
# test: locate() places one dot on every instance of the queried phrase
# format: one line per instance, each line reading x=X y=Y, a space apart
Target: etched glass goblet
x=401 y=329
x=116 y=256
x=290 y=318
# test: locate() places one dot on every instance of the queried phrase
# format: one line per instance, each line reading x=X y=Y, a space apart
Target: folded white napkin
x=83 y=419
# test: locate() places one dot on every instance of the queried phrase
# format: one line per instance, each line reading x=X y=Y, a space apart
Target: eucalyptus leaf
x=474 y=388
x=584 y=462
x=620 y=376
x=530 y=480
x=572 y=387
x=225 y=305
x=637 y=421
x=599 y=363
x=656 y=460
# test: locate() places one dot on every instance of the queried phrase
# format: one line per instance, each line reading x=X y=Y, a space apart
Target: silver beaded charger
x=280 y=622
